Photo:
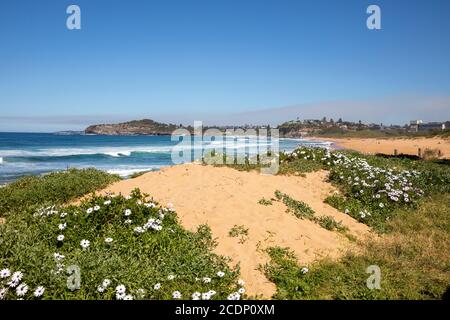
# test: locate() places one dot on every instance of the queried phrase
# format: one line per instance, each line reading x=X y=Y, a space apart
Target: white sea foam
x=129 y=171
x=126 y=151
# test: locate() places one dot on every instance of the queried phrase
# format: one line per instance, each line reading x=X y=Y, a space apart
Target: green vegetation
x=124 y=248
x=239 y=231
x=414 y=260
x=407 y=199
x=138 y=174
x=329 y=223
x=265 y=202
x=298 y=208
x=373 y=187
x=302 y=211
x=51 y=189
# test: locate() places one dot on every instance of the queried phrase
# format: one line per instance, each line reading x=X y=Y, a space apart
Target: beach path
x=222 y=197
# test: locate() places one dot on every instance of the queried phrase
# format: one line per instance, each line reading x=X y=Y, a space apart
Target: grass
x=414 y=260
x=53 y=188
x=148 y=250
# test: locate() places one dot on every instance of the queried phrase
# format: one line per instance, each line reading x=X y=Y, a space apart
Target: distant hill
x=135 y=127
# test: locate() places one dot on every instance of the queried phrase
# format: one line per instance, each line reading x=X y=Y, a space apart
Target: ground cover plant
x=240 y=232
x=53 y=188
x=123 y=247
x=414 y=259
x=371 y=187
x=302 y=210
x=265 y=202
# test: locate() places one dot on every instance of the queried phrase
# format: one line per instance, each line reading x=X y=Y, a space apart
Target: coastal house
x=419 y=125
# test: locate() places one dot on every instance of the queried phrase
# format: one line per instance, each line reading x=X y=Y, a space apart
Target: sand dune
x=224 y=197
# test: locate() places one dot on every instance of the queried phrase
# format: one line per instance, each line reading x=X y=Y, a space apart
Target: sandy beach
x=387 y=146
x=224 y=197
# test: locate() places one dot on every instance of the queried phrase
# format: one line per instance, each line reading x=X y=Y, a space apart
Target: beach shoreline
x=390 y=146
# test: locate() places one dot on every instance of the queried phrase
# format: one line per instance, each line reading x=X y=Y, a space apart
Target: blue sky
x=182 y=59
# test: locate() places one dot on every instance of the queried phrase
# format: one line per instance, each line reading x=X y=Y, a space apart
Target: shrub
x=130 y=242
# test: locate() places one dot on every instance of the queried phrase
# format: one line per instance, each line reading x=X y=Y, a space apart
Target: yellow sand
x=387 y=146
x=224 y=197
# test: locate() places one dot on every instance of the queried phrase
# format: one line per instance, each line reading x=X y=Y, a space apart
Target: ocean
x=36 y=153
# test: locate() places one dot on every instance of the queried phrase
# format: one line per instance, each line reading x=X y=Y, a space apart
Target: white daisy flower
x=100 y=289
x=220 y=274
x=234 y=296
x=241 y=291
x=62 y=226
x=13 y=283
x=89 y=210
x=206 y=296
x=241 y=282
x=21 y=290
x=85 y=243
x=176 y=295
x=139 y=230
x=107 y=202
x=17 y=276
x=156 y=227
x=58 y=256
x=128 y=297
x=120 y=288
x=60 y=237
x=120 y=296
x=109 y=240
x=206 y=280
x=39 y=291
x=3 y=292
x=304 y=270
x=96 y=208
x=170 y=277
x=128 y=221
x=106 y=283
x=157 y=286
x=127 y=212
x=63 y=214
x=196 y=296
x=5 y=273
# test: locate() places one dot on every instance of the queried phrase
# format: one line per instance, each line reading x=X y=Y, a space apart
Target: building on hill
x=419 y=125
